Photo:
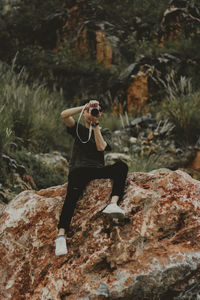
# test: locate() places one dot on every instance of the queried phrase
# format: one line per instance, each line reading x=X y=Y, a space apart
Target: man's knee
x=74 y=192
x=122 y=166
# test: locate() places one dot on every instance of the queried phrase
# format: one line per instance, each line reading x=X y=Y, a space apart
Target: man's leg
x=76 y=184
x=73 y=194
x=117 y=172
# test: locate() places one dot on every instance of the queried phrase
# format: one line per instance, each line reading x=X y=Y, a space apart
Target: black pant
x=79 y=178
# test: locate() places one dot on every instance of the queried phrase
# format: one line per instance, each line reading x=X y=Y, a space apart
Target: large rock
x=181 y=17
x=54 y=160
x=152 y=254
x=91 y=38
x=151 y=144
x=112 y=157
x=17 y=179
x=142 y=81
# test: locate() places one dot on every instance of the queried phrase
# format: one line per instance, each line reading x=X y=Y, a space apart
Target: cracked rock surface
x=152 y=254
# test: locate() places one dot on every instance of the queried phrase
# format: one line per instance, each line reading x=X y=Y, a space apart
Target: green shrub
x=111 y=121
x=7 y=137
x=4 y=171
x=144 y=162
x=43 y=175
x=29 y=115
x=182 y=107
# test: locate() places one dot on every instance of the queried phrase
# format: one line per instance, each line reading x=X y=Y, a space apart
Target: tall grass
x=6 y=134
x=182 y=107
x=145 y=162
x=111 y=121
x=29 y=115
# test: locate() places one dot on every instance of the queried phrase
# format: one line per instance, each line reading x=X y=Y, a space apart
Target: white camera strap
x=90 y=129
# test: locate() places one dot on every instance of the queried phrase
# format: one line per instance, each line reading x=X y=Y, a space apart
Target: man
x=86 y=164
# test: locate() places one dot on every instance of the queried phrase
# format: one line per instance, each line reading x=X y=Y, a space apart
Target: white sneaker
x=114 y=211
x=61 y=245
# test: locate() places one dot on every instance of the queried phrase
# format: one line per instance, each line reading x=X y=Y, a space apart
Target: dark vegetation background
x=32 y=30
x=41 y=73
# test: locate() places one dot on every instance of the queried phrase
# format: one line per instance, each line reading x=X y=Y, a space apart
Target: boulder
x=54 y=160
x=143 y=81
x=152 y=254
x=111 y=158
x=91 y=38
x=150 y=143
x=2 y=208
x=17 y=179
x=196 y=161
x=181 y=17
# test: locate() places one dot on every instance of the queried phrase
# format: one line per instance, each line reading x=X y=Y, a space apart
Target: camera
x=94 y=111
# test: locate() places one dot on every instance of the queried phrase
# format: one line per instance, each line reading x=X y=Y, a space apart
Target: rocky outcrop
x=196 y=161
x=180 y=17
x=111 y=158
x=17 y=179
x=152 y=254
x=143 y=81
x=146 y=79
x=54 y=160
x=138 y=90
x=91 y=37
x=150 y=143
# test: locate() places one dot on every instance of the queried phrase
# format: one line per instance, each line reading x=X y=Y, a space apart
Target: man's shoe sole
x=114 y=215
x=61 y=253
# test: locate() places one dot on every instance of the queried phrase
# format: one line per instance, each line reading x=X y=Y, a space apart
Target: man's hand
x=67 y=115
x=91 y=104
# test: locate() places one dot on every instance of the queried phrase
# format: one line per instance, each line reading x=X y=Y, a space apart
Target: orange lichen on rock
x=196 y=162
x=153 y=251
x=104 y=51
x=87 y=42
x=138 y=91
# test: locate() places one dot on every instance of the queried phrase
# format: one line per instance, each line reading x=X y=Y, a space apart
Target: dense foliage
x=36 y=32
x=182 y=107
x=41 y=73
x=30 y=115
x=30 y=122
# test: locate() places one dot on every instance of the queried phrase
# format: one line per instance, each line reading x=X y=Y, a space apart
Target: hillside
x=83 y=46
x=140 y=58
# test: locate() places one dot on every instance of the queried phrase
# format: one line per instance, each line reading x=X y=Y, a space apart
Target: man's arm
x=100 y=142
x=67 y=114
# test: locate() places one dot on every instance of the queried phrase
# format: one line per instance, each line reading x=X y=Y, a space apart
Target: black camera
x=95 y=111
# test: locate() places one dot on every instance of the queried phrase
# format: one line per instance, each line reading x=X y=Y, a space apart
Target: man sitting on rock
x=86 y=164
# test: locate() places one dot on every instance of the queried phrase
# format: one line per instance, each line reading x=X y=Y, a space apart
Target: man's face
x=89 y=118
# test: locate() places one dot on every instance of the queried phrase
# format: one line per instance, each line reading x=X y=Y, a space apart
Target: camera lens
x=94 y=112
